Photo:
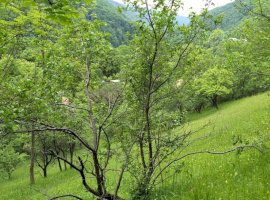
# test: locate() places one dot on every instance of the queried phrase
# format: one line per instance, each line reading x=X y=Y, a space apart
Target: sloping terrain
x=243 y=175
x=232 y=15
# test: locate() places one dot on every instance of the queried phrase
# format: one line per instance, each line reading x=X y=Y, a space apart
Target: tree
x=43 y=156
x=9 y=159
x=214 y=83
x=258 y=8
x=68 y=66
x=30 y=56
x=106 y=119
x=160 y=51
x=247 y=56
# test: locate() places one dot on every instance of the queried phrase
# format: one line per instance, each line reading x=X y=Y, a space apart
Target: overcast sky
x=196 y=5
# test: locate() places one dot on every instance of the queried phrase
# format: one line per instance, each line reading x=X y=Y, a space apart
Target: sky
x=196 y=5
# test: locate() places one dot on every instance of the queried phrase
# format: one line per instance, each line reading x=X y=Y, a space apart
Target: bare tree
x=162 y=48
x=43 y=157
x=97 y=124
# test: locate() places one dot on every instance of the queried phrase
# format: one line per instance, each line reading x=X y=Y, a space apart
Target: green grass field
x=203 y=177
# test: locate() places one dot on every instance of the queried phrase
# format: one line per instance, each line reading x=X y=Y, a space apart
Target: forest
x=109 y=101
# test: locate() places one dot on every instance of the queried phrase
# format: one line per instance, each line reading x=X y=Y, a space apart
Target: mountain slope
x=120 y=24
x=232 y=15
x=117 y=24
x=233 y=176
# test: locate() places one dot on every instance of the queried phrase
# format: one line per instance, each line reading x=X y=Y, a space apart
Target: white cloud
x=196 y=5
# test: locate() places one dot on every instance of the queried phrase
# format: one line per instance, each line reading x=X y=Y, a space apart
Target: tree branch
x=66 y=195
x=122 y=171
x=63 y=130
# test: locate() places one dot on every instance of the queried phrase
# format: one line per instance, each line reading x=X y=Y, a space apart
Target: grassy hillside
x=232 y=176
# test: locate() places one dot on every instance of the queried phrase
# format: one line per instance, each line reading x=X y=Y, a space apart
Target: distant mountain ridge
x=232 y=15
x=133 y=15
x=182 y=20
x=120 y=24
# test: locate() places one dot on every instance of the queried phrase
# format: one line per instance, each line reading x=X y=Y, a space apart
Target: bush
x=9 y=160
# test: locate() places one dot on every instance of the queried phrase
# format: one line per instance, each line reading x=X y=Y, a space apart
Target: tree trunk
x=71 y=152
x=32 y=159
x=65 y=156
x=101 y=187
x=57 y=153
x=59 y=164
x=45 y=172
x=214 y=100
x=199 y=107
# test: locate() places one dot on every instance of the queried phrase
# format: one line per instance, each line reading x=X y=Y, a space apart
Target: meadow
x=238 y=175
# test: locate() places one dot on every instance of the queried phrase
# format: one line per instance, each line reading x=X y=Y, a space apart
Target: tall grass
x=202 y=177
